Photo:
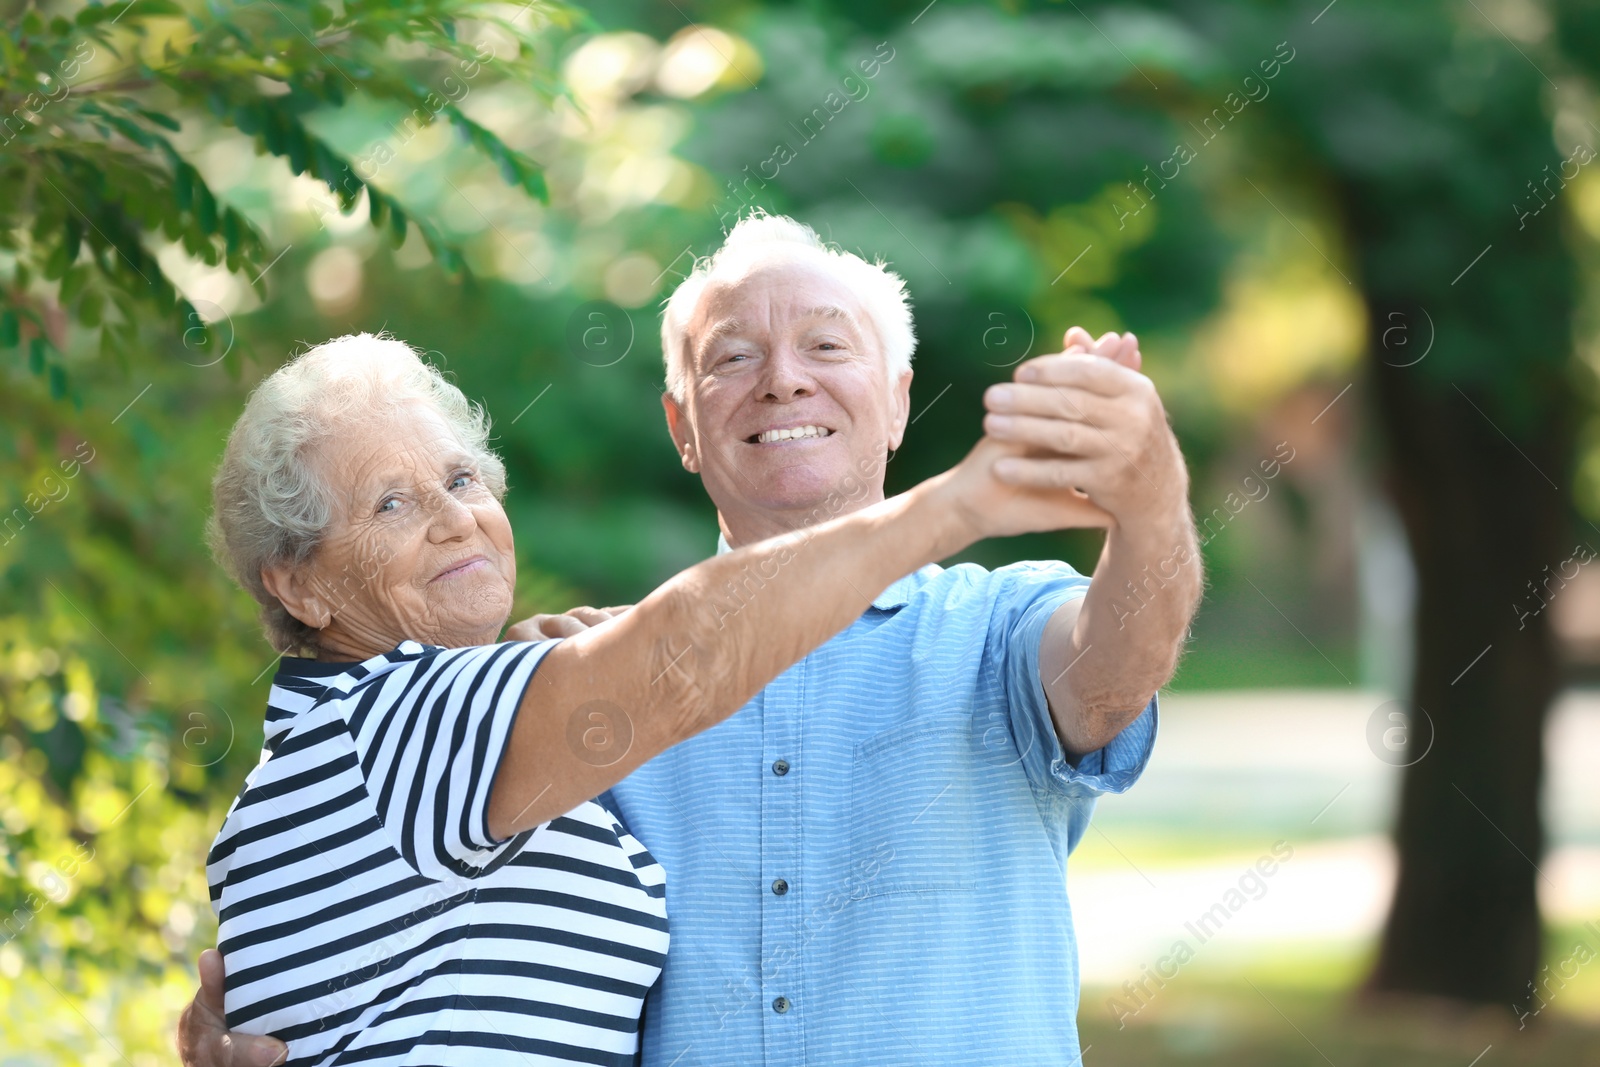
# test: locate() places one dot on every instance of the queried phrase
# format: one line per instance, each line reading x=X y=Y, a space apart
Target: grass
x=1291 y=1009
x=1259 y=1024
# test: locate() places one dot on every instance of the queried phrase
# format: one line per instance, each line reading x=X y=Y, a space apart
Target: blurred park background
x=1357 y=239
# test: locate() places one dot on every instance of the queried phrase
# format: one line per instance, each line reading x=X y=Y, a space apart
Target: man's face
x=788 y=397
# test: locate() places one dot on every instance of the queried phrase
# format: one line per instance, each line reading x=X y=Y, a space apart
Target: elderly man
x=867 y=863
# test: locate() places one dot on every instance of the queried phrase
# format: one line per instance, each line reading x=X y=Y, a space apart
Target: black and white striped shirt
x=366 y=914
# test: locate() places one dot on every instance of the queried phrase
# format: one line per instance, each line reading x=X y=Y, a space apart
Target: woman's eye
x=461 y=480
x=390 y=504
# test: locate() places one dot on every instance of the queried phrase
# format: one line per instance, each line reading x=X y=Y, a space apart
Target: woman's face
x=418 y=547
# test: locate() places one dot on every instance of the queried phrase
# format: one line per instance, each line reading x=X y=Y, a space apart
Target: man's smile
x=785 y=434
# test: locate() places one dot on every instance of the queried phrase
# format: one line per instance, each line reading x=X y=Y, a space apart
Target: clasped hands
x=1085 y=422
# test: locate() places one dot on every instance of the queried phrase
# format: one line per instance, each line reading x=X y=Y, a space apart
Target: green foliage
x=130 y=677
x=91 y=108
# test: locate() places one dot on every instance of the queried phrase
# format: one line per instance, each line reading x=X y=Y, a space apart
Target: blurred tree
x=125 y=667
x=1029 y=156
x=1431 y=131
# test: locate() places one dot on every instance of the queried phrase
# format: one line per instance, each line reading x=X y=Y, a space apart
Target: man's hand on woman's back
x=203 y=1037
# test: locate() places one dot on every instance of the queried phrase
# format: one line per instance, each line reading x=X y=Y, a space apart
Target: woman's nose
x=449 y=516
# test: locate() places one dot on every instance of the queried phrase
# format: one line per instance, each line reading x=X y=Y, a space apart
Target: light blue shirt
x=867 y=863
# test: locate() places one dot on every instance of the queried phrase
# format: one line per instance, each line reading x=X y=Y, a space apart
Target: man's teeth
x=790 y=435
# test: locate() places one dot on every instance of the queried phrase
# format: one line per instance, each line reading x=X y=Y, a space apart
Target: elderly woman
x=416 y=871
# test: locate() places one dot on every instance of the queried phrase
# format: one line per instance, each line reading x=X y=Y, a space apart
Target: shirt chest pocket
x=911 y=821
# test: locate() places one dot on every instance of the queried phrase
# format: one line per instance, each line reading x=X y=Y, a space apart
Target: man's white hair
x=762 y=240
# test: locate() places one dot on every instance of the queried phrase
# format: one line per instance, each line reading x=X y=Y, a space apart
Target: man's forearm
x=1103 y=657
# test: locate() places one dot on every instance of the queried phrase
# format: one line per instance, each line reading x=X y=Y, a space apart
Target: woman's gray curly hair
x=270 y=503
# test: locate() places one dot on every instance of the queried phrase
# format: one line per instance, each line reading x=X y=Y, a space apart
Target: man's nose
x=787 y=375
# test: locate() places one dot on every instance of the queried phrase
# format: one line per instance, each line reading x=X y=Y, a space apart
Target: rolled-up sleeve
x=1027 y=596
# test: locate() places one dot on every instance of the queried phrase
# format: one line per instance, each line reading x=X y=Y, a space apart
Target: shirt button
x=780 y=767
x=779 y=886
x=780 y=1005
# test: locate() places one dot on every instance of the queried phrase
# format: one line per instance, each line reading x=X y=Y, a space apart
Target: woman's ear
x=678 y=426
x=296 y=591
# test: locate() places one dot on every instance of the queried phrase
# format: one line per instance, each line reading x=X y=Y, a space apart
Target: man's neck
x=748 y=528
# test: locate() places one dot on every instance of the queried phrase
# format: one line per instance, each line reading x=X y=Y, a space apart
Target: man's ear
x=900 y=405
x=678 y=426
x=297 y=593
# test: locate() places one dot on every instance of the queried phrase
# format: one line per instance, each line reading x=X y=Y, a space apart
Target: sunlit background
x=999 y=157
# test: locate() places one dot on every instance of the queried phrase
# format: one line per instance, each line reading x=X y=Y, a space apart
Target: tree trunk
x=1482 y=524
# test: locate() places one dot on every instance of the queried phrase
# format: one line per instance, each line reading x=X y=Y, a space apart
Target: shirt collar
x=897 y=596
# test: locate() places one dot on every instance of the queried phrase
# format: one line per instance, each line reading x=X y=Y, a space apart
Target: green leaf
x=10 y=329
x=248 y=119
x=299 y=149
x=205 y=209
x=58 y=381
x=56 y=264
x=131 y=130
x=164 y=121
x=533 y=181
x=91 y=309
x=95 y=14
x=272 y=132
x=36 y=349
x=183 y=177
x=73 y=281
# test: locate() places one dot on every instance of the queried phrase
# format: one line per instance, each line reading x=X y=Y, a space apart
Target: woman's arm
x=695 y=650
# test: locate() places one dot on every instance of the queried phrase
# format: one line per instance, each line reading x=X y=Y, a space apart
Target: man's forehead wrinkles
x=722 y=329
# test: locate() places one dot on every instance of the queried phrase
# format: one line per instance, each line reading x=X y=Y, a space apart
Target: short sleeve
x=430 y=735
x=1026 y=596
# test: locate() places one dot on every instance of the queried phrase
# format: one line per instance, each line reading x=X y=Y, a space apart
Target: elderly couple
x=850 y=777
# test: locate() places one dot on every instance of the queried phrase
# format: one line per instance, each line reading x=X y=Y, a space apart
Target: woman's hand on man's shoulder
x=575 y=621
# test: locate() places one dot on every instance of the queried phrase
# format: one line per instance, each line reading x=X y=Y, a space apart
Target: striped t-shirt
x=367 y=915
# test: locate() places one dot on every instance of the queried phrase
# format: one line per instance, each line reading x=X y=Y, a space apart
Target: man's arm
x=1092 y=423
x=689 y=655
